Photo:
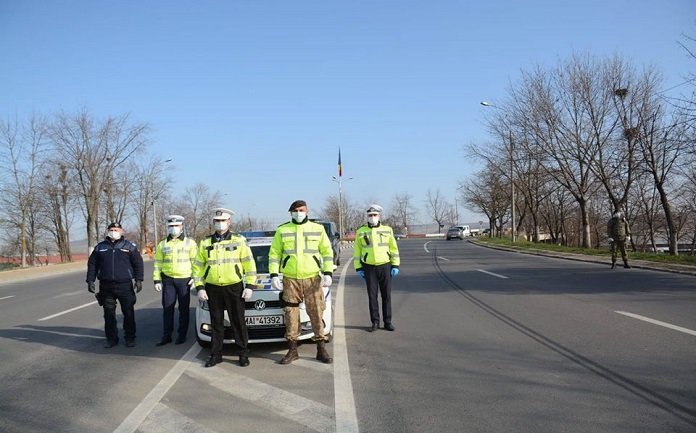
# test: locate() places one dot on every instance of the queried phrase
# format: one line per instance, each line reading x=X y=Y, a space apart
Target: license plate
x=264 y=320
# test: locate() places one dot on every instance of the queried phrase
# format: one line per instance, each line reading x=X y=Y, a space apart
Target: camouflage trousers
x=308 y=290
x=620 y=245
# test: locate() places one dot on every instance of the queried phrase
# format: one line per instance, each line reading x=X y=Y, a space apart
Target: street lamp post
x=154 y=209
x=339 y=180
x=513 y=227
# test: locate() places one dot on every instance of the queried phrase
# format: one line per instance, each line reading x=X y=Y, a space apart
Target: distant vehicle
x=264 y=314
x=455 y=232
x=486 y=232
x=334 y=237
x=399 y=236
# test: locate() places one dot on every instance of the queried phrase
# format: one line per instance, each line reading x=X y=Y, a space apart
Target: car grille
x=269 y=304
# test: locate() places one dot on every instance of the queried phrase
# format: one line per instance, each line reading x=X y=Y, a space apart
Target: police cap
x=374 y=208
x=115 y=225
x=220 y=213
x=175 y=220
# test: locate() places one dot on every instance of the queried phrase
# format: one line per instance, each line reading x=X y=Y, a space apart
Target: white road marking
x=425 y=247
x=164 y=419
x=52 y=316
x=309 y=413
x=76 y=292
x=492 y=273
x=6 y=297
x=138 y=415
x=657 y=322
x=344 y=401
x=443 y=258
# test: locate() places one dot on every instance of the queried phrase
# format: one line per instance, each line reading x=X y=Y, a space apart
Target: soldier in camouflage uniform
x=618 y=232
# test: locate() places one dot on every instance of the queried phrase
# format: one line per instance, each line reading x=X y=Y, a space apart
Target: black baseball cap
x=296 y=204
x=115 y=225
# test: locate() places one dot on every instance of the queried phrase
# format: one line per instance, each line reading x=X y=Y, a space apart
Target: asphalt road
x=485 y=341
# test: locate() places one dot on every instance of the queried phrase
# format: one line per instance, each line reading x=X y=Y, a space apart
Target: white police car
x=265 y=317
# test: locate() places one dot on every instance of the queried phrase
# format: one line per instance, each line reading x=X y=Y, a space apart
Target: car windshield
x=260 y=253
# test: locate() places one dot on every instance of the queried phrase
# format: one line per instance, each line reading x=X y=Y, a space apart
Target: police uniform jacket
x=115 y=262
x=300 y=251
x=375 y=246
x=223 y=261
x=174 y=258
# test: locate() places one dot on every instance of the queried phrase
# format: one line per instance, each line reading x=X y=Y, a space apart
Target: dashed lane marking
x=492 y=273
x=52 y=316
x=657 y=322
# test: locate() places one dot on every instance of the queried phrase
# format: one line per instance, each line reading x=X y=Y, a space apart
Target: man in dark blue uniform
x=116 y=262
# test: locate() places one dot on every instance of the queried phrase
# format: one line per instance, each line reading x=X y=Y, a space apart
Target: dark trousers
x=227 y=298
x=110 y=293
x=379 y=278
x=173 y=290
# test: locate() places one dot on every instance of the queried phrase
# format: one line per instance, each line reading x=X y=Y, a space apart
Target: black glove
x=138 y=286
x=90 y=287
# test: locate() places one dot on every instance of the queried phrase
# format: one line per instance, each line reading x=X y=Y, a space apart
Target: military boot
x=626 y=265
x=613 y=265
x=292 y=353
x=322 y=354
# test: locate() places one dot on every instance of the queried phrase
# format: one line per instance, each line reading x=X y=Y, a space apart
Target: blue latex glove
x=362 y=274
x=394 y=272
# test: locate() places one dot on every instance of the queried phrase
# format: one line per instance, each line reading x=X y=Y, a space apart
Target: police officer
x=173 y=277
x=618 y=232
x=223 y=261
x=376 y=259
x=301 y=251
x=116 y=262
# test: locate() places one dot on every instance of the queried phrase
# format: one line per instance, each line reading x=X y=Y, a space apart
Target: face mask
x=298 y=217
x=174 y=231
x=115 y=235
x=221 y=225
x=373 y=220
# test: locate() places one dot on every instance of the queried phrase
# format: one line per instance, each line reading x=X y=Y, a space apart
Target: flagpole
x=339 y=180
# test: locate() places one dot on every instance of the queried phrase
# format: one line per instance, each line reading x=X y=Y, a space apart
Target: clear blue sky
x=255 y=97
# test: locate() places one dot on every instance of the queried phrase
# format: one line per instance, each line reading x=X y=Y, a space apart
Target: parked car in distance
x=264 y=315
x=399 y=236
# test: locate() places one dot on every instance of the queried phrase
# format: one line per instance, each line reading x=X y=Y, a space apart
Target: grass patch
x=523 y=244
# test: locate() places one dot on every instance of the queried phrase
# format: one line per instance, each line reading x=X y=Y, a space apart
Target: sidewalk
x=639 y=264
x=46 y=271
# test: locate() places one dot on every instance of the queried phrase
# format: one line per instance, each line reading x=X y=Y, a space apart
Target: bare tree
x=94 y=150
x=438 y=208
x=57 y=205
x=22 y=145
x=402 y=211
x=195 y=206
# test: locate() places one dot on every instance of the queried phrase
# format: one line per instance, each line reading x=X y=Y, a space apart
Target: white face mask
x=174 y=231
x=221 y=226
x=115 y=234
x=373 y=220
x=298 y=217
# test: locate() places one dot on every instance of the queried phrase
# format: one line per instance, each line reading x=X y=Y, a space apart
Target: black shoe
x=164 y=340
x=375 y=326
x=180 y=340
x=213 y=360
x=389 y=326
x=130 y=343
x=613 y=265
x=243 y=361
x=110 y=343
x=627 y=266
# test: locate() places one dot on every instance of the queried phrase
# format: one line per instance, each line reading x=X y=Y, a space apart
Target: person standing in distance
x=301 y=251
x=116 y=262
x=376 y=260
x=224 y=261
x=619 y=232
x=173 y=277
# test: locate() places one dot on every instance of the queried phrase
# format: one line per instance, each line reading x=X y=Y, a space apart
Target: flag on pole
x=340 y=166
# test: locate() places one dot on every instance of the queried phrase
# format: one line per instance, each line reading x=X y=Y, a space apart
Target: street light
x=154 y=208
x=340 y=181
x=512 y=182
